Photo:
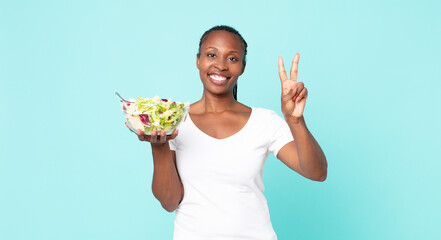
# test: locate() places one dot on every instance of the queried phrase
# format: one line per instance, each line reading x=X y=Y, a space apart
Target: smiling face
x=220 y=62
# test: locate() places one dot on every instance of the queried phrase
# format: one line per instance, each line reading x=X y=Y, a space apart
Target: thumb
x=288 y=96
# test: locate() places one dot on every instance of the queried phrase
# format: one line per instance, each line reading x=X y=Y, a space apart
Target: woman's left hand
x=294 y=93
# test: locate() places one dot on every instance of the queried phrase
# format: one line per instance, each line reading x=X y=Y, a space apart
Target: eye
x=233 y=59
x=210 y=55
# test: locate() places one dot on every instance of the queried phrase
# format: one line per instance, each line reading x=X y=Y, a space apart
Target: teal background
x=70 y=169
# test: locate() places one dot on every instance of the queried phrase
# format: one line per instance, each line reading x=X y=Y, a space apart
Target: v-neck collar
x=229 y=137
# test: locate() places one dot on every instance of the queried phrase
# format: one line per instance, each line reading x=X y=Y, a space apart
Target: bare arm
x=166 y=184
x=304 y=154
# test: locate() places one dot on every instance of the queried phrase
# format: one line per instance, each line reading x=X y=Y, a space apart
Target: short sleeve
x=281 y=134
x=172 y=144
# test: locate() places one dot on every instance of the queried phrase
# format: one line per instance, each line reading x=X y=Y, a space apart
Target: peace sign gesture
x=294 y=93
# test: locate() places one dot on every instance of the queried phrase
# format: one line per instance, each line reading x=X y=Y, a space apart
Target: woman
x=218 y=157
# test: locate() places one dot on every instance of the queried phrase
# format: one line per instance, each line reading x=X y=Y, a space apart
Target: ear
x=197 y=60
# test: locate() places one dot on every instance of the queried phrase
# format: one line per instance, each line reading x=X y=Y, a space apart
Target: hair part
x=230 y=30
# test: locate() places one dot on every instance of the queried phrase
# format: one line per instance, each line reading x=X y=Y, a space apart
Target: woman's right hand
x=154 y=138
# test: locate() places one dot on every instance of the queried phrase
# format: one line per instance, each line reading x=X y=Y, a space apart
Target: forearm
x=166 y=185
x=312 y=160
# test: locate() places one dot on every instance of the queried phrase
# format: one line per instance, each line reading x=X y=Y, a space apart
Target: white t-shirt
x=222 y=178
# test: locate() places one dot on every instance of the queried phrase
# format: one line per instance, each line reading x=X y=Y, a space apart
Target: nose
x=221 y=65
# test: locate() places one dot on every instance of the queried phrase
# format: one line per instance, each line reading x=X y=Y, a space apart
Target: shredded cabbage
x=154 y=113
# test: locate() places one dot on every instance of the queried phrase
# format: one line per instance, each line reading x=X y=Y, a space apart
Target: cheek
x=204 y=64
x=238 y=69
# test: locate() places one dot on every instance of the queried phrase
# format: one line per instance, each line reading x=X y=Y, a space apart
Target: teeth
x=218 y=78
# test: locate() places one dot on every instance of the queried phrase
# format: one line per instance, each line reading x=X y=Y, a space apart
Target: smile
x=218 y=79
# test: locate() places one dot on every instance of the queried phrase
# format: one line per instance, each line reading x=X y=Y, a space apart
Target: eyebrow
x=218 y=49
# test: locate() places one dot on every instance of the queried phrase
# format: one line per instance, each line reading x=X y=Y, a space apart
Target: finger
x=294 y=90
x=141 y=135
x=286 y=87
x=282 y=72
x=162 y=137
x=140 y=132
x=129 y=128
x=288 y=96
x=153 y=136
x=302 y=95
x=174 y=134
x=294 y=67
x=298 y=87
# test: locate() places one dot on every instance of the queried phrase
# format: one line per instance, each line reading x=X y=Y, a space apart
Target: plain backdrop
x=70 y=169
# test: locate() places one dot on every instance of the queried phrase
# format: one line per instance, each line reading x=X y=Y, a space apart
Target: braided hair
x=233 y=31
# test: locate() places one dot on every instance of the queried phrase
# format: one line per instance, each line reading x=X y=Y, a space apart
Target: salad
x=154 y=113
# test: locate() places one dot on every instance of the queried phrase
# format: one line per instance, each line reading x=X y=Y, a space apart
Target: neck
x=217 y=103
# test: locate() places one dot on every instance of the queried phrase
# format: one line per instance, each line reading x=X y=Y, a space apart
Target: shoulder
x=264 y=112
x=268 y=118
